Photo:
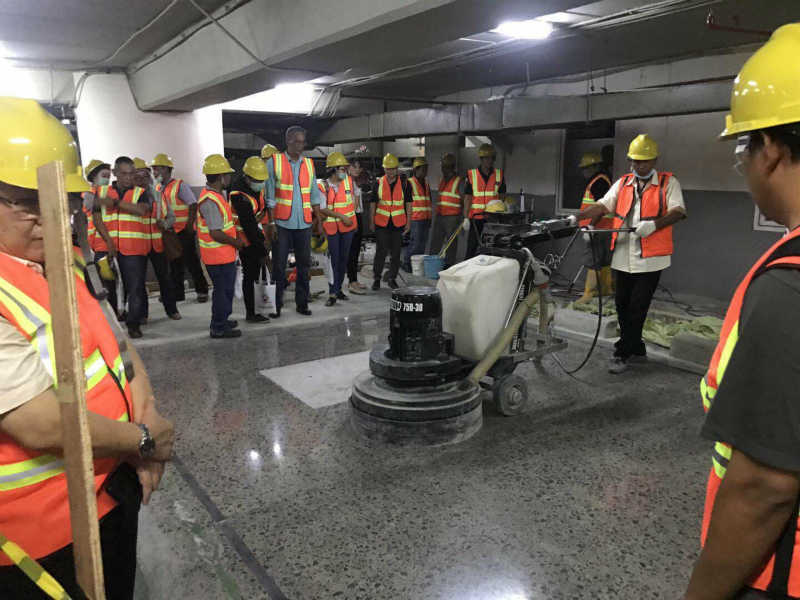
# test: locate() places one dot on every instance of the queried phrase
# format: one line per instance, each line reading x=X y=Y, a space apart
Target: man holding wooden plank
x=130 y=440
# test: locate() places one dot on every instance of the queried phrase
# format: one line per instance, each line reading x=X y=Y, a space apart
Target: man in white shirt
x=650 y=202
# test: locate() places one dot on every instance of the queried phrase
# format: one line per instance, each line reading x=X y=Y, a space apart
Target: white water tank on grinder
x=476 y=296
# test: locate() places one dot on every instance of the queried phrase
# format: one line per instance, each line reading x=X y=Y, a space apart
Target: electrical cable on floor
x=571 y=372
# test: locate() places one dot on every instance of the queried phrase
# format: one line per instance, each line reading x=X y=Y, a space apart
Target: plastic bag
x=237 y=287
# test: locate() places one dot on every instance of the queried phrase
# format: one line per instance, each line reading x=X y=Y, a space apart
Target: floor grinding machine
x=417 y=391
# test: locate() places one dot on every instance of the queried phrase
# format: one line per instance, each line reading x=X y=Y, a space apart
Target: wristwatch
x=147 y=445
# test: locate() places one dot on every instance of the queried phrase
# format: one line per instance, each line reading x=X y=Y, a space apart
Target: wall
x=110 y=125
x=44 y=85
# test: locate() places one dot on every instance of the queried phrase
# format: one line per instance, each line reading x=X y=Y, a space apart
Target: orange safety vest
x=109 y=216
x=449 y=198
x=339 y=200
x=783 y=579
x=34 y=505
x=211 y=251
x=169 y=194
x=284 y=187
x=654 y=206
x=262 y=200
x=156 y=237
x=134 y=231
x=256 y=208
x=483 y=192
x=606 y=221
x=391 y=203
x=420 y=200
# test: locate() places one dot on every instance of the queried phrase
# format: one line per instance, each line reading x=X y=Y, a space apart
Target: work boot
x=606 y=282
x=134 y=332
x=276 y=314
x=618 y=365
x=176 y=316
x=304 y=310
x=342 y=296
x=331 y=301
x=228 y=333
x=256 y=318
x=232 y=323
x=590 y=289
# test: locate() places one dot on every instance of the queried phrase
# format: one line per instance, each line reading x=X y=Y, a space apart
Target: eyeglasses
x=742 y=153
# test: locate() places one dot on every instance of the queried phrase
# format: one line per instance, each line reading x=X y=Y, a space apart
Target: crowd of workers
x=751 y=549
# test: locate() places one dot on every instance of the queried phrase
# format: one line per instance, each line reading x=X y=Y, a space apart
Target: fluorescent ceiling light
x=532 y=29
x=284 y=97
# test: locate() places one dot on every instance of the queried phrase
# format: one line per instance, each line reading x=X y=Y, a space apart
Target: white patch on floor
x=322 y=382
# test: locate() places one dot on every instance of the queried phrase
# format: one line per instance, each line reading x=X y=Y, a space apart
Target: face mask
x=645 y=177
x=102 y=180
x=158 y=180
x=257 y=186
x=342 y=175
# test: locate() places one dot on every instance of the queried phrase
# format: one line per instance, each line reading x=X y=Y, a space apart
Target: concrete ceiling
x=72 y=33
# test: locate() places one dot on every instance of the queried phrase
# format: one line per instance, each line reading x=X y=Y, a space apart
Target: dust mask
x=102 y=181
x=257 y=186
x=645 y=177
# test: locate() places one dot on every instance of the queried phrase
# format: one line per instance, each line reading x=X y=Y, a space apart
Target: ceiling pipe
x=712 y=25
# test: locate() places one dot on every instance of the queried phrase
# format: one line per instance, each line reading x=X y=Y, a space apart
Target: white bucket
x=418 y=265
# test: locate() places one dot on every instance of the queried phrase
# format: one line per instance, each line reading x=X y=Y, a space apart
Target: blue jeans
x=224 y=280
x=419 y=239
x=300 y=240
x=134 y=271
x=339 y=249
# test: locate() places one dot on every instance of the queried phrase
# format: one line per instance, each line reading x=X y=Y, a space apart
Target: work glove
x=465 y=224
x=572 y=220
x=645 y=229
x=587 y=237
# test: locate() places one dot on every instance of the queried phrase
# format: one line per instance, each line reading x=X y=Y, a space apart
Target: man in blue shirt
x=294 y=231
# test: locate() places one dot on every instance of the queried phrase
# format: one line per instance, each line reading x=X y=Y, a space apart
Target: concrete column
x=110 y=125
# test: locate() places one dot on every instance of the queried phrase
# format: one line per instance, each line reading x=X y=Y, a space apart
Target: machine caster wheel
x=511 y=395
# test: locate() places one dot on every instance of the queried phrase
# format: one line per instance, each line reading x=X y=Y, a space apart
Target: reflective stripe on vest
x=420 y=200
x=483 y=191
x=449 y=198
x=391 y=203
x=134 y=231
x=284 y=187
x=34 y=505
x=653 y=206
x=159 y=210
x=339 y=200
x=211 y=251
x=181 y=210
x=606 y=221
x=109 y=216
x=253 y=204
x=783 y=254
x=262 y=200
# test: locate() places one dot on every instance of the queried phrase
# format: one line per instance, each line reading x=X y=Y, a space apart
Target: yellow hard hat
x=486 y=150
x=643 y=147
x=319 y=244
x=94 y=164
x=268 y=150
x=419 y=162
x=448 y=158
x=336 y=159
x=255 y=168
x=590 y=158
x=766 y=93
x=138 y=163
x=216 y=164
x=496 y=206
x=390 y=161
x=31 y=137
x=162 y=160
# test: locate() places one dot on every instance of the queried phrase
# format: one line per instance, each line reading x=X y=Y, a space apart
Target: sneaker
x=276 y=314
x=356 y=288
x=134 y=332
x=176 y=316
x=228 y=333
x=393 y=284
x=618 y=365
x=303 y=310
x=202 y=298
x=342 y=296
x=331 y=301
x=257 y=318
x=376 y=285
x=233 y=324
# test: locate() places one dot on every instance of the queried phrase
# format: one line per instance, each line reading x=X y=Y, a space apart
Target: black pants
x=118 y=531
x=634 y=294
x=251 y=272
x=300 y=241
x=355 y=251
x=474 y=237
x=191 y=261
x=389 y=241
x=165 y=287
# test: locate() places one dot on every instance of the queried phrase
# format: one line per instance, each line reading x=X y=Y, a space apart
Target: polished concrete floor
x=596 y=492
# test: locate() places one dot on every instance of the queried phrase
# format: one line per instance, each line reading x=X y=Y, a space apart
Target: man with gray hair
x=292 y=199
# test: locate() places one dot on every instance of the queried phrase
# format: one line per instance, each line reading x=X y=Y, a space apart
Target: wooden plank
x=71 y=389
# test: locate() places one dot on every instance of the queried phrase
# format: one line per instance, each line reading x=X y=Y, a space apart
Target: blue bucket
x=433 y=264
